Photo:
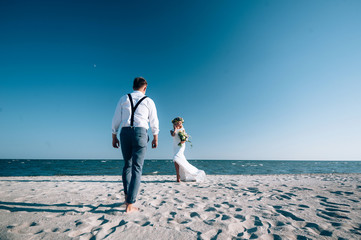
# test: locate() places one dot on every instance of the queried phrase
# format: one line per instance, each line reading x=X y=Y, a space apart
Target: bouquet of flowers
x=184 y=137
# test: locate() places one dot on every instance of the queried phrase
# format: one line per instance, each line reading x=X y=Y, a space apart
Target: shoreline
x=166 y=175
x=279 y=206
x=160 y=167
x=171 y=175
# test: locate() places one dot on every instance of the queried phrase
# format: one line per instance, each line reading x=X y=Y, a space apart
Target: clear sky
x=252 y=79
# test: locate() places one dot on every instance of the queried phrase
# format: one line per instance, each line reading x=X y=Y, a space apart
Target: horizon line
x=165 y=159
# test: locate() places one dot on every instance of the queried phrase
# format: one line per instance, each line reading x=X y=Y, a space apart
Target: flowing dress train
x=187 y=171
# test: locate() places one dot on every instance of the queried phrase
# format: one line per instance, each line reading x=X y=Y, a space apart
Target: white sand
x=224 y=207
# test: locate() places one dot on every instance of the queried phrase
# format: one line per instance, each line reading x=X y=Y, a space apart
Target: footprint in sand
x=26 y=228
x=300 y=189
x=96 y=227
x=212 y=234
x=225 y=217
x=318 y=230
x=143 y=223
x=287 y=214
x=211 y=209
x=332 y=210
x=240 y=217
x=228 y=204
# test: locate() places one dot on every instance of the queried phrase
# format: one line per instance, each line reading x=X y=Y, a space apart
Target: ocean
x=19 y=167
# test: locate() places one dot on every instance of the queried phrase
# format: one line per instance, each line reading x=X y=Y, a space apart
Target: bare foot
x=178 y=180
x=130 y=208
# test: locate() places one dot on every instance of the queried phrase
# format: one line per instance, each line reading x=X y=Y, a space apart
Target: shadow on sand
x=58 y=208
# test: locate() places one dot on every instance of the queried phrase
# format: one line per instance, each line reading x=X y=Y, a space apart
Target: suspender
x=134 y=108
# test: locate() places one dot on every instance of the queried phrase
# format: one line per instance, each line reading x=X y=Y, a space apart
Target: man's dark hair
x=139 y=82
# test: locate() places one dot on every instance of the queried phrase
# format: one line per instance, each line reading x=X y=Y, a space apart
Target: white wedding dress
x=187 y=171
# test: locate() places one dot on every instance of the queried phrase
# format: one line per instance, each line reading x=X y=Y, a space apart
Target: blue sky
x=253 y=79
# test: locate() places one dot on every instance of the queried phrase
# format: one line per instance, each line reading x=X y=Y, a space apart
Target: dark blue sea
x=10 y=167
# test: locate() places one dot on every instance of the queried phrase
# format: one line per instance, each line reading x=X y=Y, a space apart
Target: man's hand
x=155 y=141
x=115 y=141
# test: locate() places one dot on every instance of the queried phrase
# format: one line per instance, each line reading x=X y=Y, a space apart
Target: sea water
x=20 y=167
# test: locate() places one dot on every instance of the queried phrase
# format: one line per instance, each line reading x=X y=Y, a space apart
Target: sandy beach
x=313 y=206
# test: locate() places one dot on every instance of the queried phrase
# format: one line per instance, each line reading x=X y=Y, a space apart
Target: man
x=132 y=114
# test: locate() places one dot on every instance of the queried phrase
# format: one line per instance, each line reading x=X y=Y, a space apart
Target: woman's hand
x=182 y=142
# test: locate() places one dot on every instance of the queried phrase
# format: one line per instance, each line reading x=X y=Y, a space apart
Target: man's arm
x=154 y=123
x=117 y=118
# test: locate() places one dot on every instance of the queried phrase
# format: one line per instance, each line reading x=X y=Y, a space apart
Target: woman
x=185 y=171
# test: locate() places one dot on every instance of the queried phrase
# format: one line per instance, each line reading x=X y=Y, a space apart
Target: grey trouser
x=134 y=145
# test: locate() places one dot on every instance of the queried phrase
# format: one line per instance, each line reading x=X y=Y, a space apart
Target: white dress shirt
x=145 y=112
